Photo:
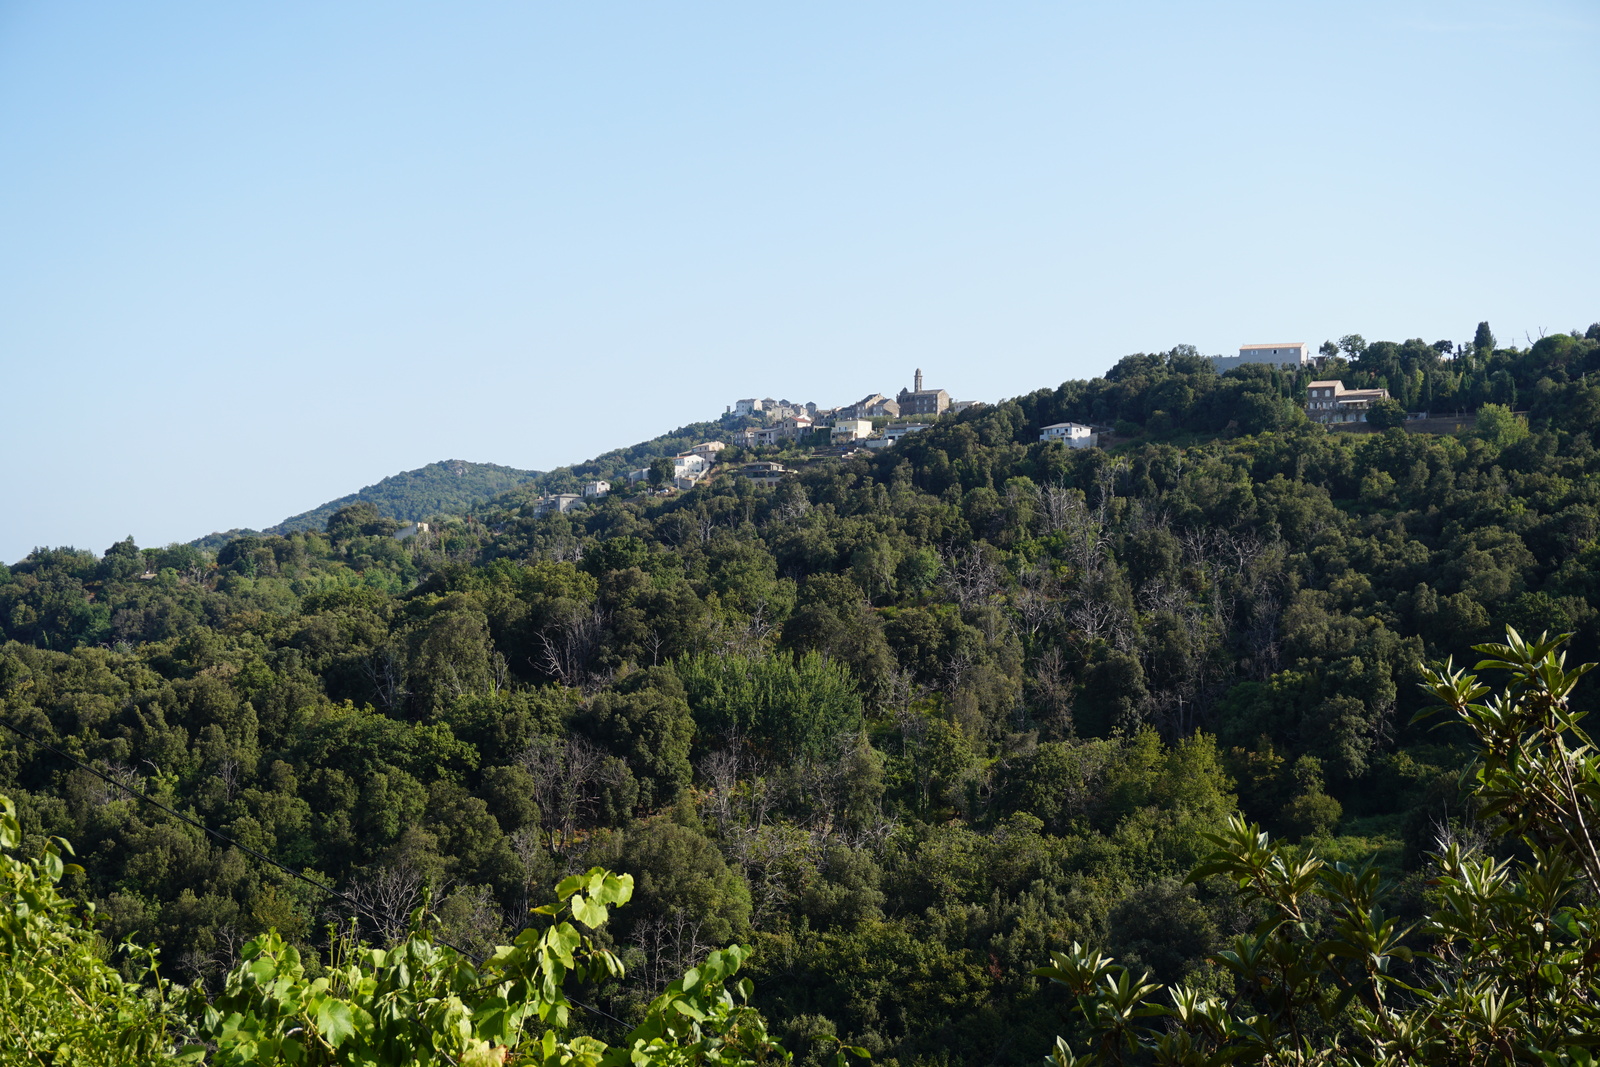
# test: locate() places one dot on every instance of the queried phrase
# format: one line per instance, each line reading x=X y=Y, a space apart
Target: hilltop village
x=878 y=421
x=903 y=724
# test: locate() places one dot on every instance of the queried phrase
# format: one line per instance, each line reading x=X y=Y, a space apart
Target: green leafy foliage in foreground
x=60 y=1001
x=417 y=1003
x=421 y=1002
x=1504 y=968
x=902 y=724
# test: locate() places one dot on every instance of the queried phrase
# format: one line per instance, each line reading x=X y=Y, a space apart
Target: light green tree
x=1499 y=426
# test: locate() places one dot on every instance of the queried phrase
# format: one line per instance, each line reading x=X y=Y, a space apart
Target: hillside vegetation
x=449 y=487
x=904 y=724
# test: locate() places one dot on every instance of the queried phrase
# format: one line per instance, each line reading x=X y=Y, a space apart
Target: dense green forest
x=904 y=724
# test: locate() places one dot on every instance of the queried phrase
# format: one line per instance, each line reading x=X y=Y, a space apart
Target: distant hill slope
x=614 y=465
x=450 y=486
x=457 y=488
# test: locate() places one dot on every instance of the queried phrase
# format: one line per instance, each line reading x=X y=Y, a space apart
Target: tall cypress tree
x=1483 y=340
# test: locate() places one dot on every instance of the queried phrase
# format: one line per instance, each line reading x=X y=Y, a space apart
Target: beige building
x=1330 y=402
x=873 y=406
x=789 y=429
x=557 y=502
x=851 y=430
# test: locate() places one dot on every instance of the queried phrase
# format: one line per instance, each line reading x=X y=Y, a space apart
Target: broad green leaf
x=335 y=1021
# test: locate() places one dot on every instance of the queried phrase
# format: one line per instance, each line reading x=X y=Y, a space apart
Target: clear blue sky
x=254 y=256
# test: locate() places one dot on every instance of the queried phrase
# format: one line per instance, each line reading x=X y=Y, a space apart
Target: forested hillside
x=450 y=486
x=447 y=487
x=904 y=724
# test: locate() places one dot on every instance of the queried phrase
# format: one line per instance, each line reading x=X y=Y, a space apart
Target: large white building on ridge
x=1291 y=353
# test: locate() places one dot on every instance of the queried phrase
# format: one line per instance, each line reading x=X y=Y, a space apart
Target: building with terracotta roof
x=1330 y=402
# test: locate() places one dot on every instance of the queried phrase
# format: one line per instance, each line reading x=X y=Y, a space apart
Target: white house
x=410 y=530
x=894 y=433
x=851 y=430
x=708 y=449
x=1071 y=434
x=688 y=465
x=596 y=489
x=748 y=406
x=1292 y=353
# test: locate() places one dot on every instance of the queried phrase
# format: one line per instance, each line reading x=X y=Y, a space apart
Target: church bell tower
x=917 y=387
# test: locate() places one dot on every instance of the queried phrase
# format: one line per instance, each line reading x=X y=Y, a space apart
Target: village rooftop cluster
x=852 y=426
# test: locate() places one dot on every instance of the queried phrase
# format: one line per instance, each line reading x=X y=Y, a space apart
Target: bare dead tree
x=1067 y=512
x=1052 y=687
x=1059 y=505
x=1156 y=595
x=499 y=672
x=902 y=688
x=971 y=577
x=385 y=897
x=914 y=739
x=569 y=782
x=721 y=771
x=209 y=966
x=1092 y=615
x=671 y=943
x=758 y=627
x=1259 y=640
x=228 y=773
x=655 y=641
x=527 y=844
x=956 y=669
x=568 y=644
x=1038 y=600
x=794 y=505
x=566 y=550
x=386 y=673
x=774 y=860
x=1106 y=485
x=97 y=792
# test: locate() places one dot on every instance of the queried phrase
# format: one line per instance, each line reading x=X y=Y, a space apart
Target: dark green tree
x=1386 y=413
